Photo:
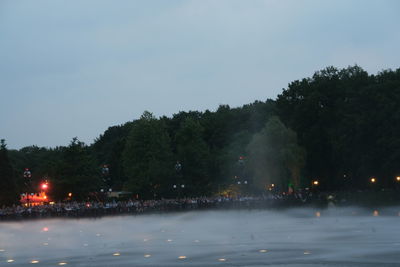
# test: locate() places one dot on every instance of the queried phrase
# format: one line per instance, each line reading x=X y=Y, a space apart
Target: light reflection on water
x=244 y=237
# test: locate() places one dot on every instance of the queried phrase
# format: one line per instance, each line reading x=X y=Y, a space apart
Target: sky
x=74 y=68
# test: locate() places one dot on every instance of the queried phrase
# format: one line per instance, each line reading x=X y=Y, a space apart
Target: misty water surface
x=296 y=237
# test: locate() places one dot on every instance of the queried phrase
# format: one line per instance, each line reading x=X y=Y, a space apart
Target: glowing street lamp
x=373 y=180
x=44 y=186
x=398 y=178
x=315 y=183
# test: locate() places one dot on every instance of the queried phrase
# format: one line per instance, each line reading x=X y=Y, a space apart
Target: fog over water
x=295 y=237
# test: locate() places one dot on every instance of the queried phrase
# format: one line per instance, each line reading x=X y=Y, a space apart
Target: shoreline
x=75 y=210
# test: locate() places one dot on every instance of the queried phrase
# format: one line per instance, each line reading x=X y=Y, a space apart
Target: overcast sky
x=74 y=68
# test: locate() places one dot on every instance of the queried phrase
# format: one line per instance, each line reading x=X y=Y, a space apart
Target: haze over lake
x=295 y=237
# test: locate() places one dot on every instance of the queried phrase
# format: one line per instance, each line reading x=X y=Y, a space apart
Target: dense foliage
x=8 y=193
x=339 y=127
x=348 y=122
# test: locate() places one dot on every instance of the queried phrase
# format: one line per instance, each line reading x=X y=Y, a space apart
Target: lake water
x=295 y=237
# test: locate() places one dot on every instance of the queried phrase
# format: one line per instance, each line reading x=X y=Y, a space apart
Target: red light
x=45 y=186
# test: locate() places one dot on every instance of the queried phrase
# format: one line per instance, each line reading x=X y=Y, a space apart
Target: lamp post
x=314 y=185
x=45 y=187
x=179 y=188
x=27 y=176
x=373 y=183
x=270 y=187
x=179 y=178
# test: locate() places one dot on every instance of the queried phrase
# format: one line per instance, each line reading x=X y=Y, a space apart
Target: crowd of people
x=112 y=207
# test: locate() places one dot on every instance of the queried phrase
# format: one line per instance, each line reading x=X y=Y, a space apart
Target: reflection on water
x=340 y=237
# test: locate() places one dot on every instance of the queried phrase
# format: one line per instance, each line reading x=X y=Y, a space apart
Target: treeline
x=339 y=127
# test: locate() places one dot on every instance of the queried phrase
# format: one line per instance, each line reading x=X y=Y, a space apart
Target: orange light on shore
x=69 y=194
x=398 y=178
x=315 y=182
x=373 y=180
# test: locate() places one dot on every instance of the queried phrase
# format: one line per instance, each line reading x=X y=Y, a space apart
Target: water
x=297 y=237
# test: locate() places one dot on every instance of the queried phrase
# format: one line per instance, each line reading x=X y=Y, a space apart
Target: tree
x=75 y=173
x=193 y=153
x=275 y=157
x=147 y=158
x=8 y=190
x=108 y=150
x=348 y=122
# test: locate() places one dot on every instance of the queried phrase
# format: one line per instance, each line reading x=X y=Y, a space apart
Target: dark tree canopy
x=8 y=190
x=339 y=126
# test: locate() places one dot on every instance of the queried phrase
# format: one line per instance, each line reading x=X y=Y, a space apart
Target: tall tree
x=108 y=150
x=75 y=173
x=8 y=189
x=193 y=153
x=147 y=158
